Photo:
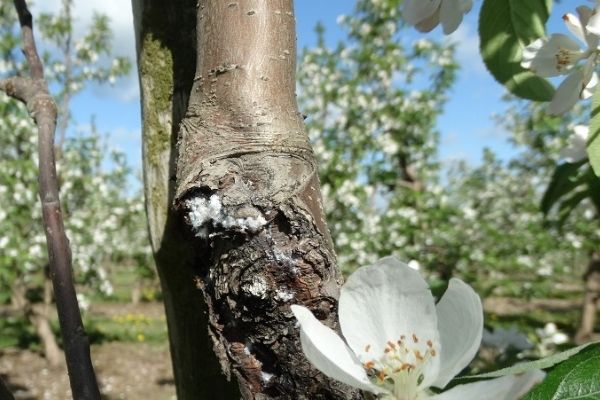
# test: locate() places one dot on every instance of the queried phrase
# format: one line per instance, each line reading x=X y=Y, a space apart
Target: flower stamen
x=401 y=366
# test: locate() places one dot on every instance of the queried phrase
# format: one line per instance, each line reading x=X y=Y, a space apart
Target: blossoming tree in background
x=247 y=250
x=103 y=221
x=371 y=117
x=371 y=105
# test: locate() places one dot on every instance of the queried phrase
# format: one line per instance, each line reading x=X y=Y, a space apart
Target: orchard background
x=376 y=97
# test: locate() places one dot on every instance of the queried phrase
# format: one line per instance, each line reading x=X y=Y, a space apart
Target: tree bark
x=247 y=183
x=165 y=36
x=591 y=299
x=39 y=317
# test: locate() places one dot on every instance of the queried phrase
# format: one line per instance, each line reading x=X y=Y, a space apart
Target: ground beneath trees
x=130 y=370
x=126 y=370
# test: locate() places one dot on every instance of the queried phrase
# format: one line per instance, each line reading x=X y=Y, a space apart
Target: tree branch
x=34 y=93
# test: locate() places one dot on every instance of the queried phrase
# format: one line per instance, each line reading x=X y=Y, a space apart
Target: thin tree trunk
x=591 y=300
x=18 y=300
x=247 y=181
x=165 y=36
x=39 y=317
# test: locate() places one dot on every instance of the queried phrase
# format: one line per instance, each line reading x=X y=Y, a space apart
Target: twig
x=33 y=91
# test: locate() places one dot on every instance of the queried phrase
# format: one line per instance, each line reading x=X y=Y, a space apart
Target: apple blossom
x=425 y=15
x=399 y=343
x=548 y=338
x=560 y=55
x=576 y=149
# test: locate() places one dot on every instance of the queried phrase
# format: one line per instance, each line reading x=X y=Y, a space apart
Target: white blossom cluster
x=89 y=56
x=104 y=222
x=371 y=115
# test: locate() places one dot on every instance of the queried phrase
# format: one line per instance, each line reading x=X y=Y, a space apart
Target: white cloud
x=492 y=132
x=121 y=24
x=467 y=49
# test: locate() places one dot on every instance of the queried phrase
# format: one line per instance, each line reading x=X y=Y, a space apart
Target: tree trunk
x=590 y=303
x=243 y=150
x=41 y=321
x=136 y=293
x=165 y=36
x=247 y=183
x=39 y=317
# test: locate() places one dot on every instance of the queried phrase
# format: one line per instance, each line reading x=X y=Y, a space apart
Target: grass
x=16 y=332
x=128 y=327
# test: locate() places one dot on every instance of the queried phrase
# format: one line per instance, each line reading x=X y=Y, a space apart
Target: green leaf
x=594 y=188
x=505 y=27
x=576 y=378
x=593 y=144
x=568 y=205
x=530 y=365
x=564 y=180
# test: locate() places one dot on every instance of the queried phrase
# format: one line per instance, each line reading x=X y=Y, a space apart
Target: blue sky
x=466 y=124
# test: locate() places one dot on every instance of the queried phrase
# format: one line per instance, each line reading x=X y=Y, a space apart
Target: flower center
x=566 y=58
x=400 y=369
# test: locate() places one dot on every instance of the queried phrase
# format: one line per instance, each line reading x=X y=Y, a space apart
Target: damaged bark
x=247 y=184
x=166 y=56
x=247 y=187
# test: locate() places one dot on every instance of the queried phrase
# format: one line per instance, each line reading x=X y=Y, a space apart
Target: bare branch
x=34 y=92
x=25 y=19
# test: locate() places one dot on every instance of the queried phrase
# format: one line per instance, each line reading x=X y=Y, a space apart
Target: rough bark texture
x=165 y=35
x=246 y=169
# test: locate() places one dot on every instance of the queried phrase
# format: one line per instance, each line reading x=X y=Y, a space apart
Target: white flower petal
x=460 y=323
x=416 y=11
x=542 y=55
x=585 y=13
x=567 y=93
x=574 y=24
x=429 y=23
x=466 y=5
x=593 y=25
x=580 y=136
x=590 y=86
x=451 y=15
x=560 y=338
x=383 y=302
x=328 y=352
x=574 y=152
x=509 y=387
